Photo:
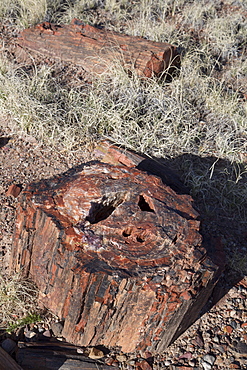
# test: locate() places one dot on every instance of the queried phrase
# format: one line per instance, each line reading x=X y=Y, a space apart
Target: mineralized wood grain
x=116 y=254
x=97 y=50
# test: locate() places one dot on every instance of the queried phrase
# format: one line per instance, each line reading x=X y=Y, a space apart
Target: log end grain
x=114 y=251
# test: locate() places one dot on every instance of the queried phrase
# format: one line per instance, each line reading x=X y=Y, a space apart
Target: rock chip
x=46 y=333
x=31 y=335
x=209 y=358
x=228 y=329
x=121 y=358
x=206 y=365
x=208 y=361
x=95 y=353
x=57 y=328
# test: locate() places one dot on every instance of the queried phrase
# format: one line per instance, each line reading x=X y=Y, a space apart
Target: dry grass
x=201 y=112
x=17 y=299
x=23 y=12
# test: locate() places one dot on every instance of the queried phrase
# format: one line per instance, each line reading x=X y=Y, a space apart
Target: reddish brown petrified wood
x=116 y=254
x=97 y=50
x=108 y=152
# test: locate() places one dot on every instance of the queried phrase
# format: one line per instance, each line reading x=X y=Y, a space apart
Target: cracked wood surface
x=114 y=251
x=98 y=50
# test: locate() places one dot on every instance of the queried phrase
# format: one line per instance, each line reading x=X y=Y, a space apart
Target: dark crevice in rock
x=144 y=204
x=101 y=211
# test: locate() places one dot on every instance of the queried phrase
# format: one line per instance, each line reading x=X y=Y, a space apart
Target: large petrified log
x=116 y=254
x=96 y=50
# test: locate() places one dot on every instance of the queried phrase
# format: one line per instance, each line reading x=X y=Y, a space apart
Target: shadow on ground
x=218 y=188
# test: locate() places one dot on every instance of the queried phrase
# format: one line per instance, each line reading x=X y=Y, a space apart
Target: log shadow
x=218 y=189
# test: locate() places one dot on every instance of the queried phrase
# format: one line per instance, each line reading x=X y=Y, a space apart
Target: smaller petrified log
x=116 y=254
x=54 y=355
x=97 y=50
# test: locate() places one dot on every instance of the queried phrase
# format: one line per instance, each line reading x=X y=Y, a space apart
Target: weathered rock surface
x=116 y=254
x=98 y=50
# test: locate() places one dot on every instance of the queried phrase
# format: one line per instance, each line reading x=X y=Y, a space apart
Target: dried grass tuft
x=17 y=299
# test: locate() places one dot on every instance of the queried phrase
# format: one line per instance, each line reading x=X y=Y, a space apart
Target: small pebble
x=131 y=362
x=192 y=363
x=167 y=363
x=95 y=353
x=186 y=355
x=109 y=361
x=47 y=333
x=121 y=358
x=209 y=359
x=57 y=328
x=30 y=334
x=206 y=365
x=80 y=350
x=234 y=324
x=235 y=365
x=228 y=329
x=216 y=339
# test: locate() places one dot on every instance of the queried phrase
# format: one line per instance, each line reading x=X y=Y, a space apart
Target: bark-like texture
x=97 y=50
x=116 y=254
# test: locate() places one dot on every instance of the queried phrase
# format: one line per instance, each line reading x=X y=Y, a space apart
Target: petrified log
x=54 y=355
x=116 y=254
x=97 y=50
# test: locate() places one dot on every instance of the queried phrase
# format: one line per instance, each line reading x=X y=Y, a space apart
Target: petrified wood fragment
x=116 y=254
x=97 y=50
